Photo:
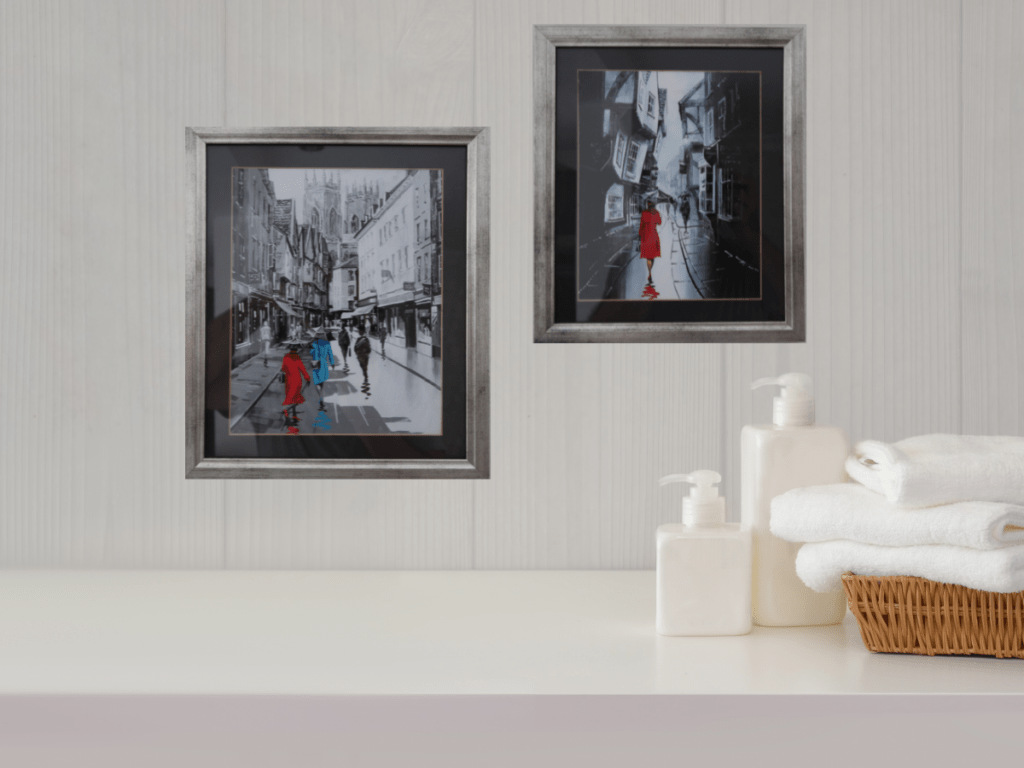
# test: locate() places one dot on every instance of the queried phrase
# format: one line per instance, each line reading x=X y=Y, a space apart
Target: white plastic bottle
x=793 y=452
x=703 y=565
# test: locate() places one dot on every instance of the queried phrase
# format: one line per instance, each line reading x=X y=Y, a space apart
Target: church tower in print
x=362 y=200
x=321 y=202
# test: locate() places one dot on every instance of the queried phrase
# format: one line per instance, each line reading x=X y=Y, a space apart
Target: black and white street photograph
x=669 y=181
x=336 y=299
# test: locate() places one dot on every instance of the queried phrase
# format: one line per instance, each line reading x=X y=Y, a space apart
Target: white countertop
x=419 y=632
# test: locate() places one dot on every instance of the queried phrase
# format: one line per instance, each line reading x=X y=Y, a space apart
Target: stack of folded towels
x=948 y=508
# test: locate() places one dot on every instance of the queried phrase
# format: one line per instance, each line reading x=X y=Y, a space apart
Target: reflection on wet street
x=387 y=397
x=322 y=422
x=681 y=272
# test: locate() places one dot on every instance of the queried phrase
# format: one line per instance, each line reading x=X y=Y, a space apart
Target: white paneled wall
x=95 y=97
x=915 y=267
x=992 y=216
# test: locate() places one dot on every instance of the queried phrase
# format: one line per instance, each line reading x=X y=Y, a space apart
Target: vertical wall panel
x=95 y=185
x=317 y=62
x=170 y=70
x=883 y=261
x=31 y=204
x=993 y=218
x=581 y=432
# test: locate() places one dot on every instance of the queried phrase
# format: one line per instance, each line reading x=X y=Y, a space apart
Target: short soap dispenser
x=703 y=565
x=791 y=452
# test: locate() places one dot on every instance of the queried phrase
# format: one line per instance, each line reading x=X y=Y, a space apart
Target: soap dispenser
x=703 y=571
x=792 y=452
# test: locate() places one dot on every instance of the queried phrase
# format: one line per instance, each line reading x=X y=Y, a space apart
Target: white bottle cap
x=794 y=407
x=703 y=507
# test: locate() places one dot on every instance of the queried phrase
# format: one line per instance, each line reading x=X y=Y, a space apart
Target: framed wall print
x=669 y=184
x=337 y=291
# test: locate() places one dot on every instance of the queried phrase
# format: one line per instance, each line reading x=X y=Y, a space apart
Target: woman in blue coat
x=320 y=352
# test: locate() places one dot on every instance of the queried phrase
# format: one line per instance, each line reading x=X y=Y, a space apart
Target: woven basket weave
x=907 y=614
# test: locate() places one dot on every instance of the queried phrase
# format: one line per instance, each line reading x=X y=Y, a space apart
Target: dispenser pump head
x=794 y=407
x=703 y=507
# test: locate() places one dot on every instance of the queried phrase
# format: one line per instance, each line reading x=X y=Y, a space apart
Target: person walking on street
x=650 y=243
x=321 y=354
x=265 y=338
x=684 y=209
x=343 y=343
x=330 y=343
x=383 y=337
x=294 y=372
x=362 y=350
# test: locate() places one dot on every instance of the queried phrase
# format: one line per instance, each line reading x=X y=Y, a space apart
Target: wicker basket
x=907 y=614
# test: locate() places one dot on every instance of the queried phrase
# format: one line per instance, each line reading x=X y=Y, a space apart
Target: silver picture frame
x=547 y=40
x=476 y=464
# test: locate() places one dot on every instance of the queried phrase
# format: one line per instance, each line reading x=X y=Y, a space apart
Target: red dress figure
x=294 y=372
x=650 y=243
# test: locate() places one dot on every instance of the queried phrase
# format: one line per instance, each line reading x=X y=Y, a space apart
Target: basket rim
x=851 y=576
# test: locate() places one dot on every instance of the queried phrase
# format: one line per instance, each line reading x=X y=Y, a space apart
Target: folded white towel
x=851 y=511
x=821 y=564
x=941 y=469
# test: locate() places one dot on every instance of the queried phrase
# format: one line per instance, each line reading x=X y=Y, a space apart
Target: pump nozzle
x=703 y=506
x=797 y=385
x=794 y=407
x=703 y=480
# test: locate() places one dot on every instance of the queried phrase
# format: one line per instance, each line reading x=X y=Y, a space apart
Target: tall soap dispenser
x=703 y=565
x=792 y=452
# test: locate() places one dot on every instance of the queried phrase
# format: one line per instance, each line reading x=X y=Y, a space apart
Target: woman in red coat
x=650 y=244
x=294 y=372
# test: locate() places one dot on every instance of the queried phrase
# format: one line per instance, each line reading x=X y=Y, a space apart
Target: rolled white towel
x=820 y=565
x=851 y=511
x=941 y=469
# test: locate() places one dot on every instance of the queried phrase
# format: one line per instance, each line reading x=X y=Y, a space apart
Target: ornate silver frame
x=546 y=39
x=476 y=465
